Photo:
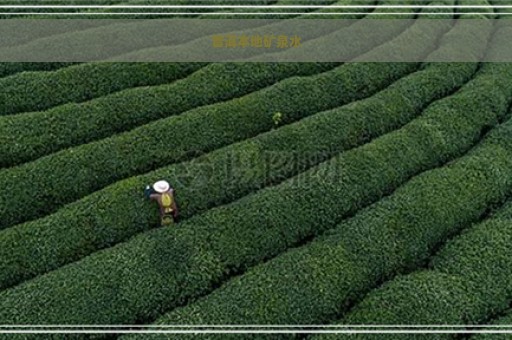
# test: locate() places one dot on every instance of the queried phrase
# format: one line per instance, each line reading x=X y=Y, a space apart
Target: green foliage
x=54 y=178
x=56 y=128
x=157 y=270
x=29 y=136
x=164 y=268
x=395 y=234
x=221 y=176
x=467 y=282
x=34 y=91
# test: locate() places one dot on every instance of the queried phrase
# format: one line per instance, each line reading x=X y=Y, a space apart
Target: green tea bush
x=467 y=281
x=98 y=164
x=162 y=268
x=70 y=174
x=56 y=128
x=31 y=135
x=38 y=91
x=392 y=236
x=34 y=91
x=221 y=176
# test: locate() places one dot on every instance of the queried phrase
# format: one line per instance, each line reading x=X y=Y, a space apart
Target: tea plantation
x=309 y=193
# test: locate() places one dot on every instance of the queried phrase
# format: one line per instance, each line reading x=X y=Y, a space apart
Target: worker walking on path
x=163 y=194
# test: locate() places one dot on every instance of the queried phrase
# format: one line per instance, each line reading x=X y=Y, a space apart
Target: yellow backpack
x=167 y=202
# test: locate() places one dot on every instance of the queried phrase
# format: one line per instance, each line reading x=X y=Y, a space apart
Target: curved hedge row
x=163 y=267
x=92 y=166
x=38 y=91
x=34 y=91
x=55 y=129
x=220 y=177
x=391 y=236
x=31 y=135
x=98 y=164
x=467 y=281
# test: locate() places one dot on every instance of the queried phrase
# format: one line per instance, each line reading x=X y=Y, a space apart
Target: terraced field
x=381 y=195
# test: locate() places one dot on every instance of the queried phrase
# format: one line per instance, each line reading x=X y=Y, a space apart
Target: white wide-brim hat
x=161 y=186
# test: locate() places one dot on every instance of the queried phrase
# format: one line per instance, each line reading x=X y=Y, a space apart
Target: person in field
x=163 y=194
